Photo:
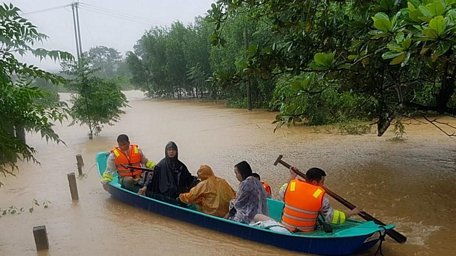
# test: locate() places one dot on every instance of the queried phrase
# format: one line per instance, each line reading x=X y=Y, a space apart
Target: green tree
x=149 y=64
x=105 y=61
x=176 y=65
x=390 y=57
x=20 y=105
x=50 y=92
x=197 y=51
x=96 y=101
x=139 y=77
x=108 y=63
x=164 y=58
x=420 y=41
x=124 y=75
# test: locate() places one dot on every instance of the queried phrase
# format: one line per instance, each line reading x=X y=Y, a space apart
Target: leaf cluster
x=95 y=101
x=21 y=105
x=393 y=57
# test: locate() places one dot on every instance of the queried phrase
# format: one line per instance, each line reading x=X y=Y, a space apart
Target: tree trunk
x=20 y=132
x=447 y=89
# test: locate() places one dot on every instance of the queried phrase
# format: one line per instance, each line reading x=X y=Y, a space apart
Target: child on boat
x=266 y=186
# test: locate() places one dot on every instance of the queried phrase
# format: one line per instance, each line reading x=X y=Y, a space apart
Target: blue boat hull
x=326 y=245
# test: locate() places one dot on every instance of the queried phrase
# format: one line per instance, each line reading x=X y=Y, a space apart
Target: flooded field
x=409 y=183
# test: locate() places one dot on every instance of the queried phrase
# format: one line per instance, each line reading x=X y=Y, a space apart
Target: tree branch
x=435 y=123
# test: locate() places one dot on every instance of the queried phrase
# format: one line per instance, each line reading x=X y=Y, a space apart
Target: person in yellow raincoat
x=212 y=195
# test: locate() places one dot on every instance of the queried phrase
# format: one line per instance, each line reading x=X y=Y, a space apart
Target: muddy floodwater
x=409 y=183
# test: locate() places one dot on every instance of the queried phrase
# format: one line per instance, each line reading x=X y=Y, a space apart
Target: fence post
x=41 y=240
x=79 y=163
x=73 y=187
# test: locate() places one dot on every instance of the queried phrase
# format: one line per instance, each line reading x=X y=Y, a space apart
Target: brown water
x=411 y=183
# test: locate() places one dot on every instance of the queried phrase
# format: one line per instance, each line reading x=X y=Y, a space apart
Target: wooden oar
x=391 y=232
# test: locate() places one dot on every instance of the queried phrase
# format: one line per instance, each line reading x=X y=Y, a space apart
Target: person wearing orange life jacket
x=306 y=199
x=125 y=154
x=266 y=186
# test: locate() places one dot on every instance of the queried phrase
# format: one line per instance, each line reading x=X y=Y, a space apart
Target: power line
x=47 y=9
x=115 y=14
x=119 y=13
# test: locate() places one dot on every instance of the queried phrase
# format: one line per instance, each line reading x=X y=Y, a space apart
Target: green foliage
x=50 y=93
x=197 y=79
x=22 y=106
x=96 y=101
x=105 y=61
x=394 y=57
x=323 y=61
x=354 y=128
x=164 y=66
x=429 y=26
x=382 y=22
x=307 y=98
x=399 y=130
x=172 y=62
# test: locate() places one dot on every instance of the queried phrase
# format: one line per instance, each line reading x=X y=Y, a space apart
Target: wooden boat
x=351 y=237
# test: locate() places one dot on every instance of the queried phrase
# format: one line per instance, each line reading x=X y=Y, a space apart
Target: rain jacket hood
x=205 y=172
x=171 y=176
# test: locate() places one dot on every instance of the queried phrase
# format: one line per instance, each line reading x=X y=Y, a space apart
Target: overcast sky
x=112 y=23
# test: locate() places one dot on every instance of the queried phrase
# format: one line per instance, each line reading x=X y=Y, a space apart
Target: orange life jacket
x=266 y=187
x=134 y=159
x=303 y=202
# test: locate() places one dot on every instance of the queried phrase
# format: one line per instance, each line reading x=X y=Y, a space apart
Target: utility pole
x=77 y=35
x=77 y=31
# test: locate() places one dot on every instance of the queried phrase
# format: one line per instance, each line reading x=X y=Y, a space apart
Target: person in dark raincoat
x=169 y=178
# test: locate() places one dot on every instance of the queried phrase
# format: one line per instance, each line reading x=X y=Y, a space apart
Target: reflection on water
x=410 y=184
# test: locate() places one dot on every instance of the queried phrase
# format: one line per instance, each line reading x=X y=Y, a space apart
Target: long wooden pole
x=391 y=232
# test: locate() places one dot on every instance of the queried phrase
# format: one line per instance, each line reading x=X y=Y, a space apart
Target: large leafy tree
x=106 y=61
x=284 y=40
x=20 y=105
x=96 y=101
x=197 y=51
x=172 y=62
x=420 y=41
x=149 y=64
x=341 y=60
